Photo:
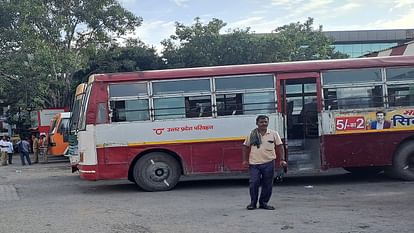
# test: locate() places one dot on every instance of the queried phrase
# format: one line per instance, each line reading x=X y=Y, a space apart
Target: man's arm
x=280 y=153
x=246 y=152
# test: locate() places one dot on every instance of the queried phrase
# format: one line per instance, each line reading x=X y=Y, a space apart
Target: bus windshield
x=76 y=107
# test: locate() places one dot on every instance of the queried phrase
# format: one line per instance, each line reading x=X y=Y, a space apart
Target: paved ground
x=49 y=198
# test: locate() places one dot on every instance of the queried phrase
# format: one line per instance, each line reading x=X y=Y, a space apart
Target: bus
x=58 y=140
x=154 y=127
x=74 y=120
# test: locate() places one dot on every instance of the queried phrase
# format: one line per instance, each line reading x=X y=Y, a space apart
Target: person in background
x=35 y=147
x=3 y=150
x=259 y=155
x=43 y=145
x=10 y=150
x=24 y=149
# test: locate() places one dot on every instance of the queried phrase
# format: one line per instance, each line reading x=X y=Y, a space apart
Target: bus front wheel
x=403 y=163
x=156 y=172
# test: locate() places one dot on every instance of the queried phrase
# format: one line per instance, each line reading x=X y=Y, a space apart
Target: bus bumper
x=88 y=172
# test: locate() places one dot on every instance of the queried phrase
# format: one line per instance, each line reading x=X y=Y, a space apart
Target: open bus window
x=197 y=106
x=353 y=97
x=229 y=104
x=129 y=110
x=401 y=95
x=247 y=103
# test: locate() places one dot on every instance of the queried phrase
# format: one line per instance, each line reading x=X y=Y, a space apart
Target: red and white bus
x=153 y=127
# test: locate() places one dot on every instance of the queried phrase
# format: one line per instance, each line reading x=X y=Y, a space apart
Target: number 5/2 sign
x=350 y=123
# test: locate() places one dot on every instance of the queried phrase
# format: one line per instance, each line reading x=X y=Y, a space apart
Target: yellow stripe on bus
x=373 y=130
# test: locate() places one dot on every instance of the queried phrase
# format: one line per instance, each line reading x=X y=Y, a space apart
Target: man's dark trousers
x=261 y=174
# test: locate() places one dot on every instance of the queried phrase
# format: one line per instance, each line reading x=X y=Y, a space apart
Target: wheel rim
x=158 y=171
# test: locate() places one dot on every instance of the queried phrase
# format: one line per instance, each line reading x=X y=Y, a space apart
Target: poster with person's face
x=402 y=119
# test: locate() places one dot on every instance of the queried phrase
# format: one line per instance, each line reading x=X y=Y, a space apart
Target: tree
x=302 y=42
x=44 y=42
x=134 y=56
x=203 y=45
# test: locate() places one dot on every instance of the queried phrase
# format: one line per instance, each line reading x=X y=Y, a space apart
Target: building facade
x=359 y=43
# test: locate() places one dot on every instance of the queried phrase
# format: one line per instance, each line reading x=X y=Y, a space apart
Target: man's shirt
x=266 y=151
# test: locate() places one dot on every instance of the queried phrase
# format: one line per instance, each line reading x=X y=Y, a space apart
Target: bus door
x=299 y=102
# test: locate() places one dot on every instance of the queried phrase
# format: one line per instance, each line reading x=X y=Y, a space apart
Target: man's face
x=262 y=124
x=380 y=116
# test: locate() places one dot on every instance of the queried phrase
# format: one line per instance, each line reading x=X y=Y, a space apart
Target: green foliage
x=203 y=45
x=44 y=42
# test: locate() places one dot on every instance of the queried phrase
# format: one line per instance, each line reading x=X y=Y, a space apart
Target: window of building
x=400 y=74
x=353 y=97
x=401 y=95
x=351 y=76
x=245 y=82
x=128 y=89
x=181 y=86
x=129 y=110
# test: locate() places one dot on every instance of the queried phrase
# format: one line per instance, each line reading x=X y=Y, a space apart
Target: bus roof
x=283 y=67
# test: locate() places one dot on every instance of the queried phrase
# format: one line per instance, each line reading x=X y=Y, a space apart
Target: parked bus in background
x=153 y=127
x=41 y=119
x=73 y=125
x=58 y=136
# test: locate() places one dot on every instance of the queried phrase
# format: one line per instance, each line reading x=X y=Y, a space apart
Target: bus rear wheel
x=157 y=171
x=403 y=163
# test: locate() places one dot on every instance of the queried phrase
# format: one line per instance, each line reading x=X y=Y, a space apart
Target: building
x=406 y=49
x=358 y=43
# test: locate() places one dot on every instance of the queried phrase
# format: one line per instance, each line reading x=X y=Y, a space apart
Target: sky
x=263 y=16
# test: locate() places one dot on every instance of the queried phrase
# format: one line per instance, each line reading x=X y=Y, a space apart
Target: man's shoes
x=267 y=207
x=251 y=207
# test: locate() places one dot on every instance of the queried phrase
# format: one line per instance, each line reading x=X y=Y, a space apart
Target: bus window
x=400 y=74
x=181 y=86
x=129 y=89
x=229 y=104
x=169 y=108
x=401 y=95
x=351 y=76
x=353 y=97
x=259 y=103
x=245 y=82
x=198 y=106
x=129 y=110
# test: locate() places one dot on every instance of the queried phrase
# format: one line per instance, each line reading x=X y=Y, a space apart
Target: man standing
x=3 y=151
x=35 y=148
x=259 y=154
x=24 y=148
x=10 y=150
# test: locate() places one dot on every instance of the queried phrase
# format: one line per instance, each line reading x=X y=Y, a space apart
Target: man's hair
x=380 y=112
x=259 y=117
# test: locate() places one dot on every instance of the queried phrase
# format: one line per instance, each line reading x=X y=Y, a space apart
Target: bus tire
x=403 y=163
x=364 y=171
x=157 y=171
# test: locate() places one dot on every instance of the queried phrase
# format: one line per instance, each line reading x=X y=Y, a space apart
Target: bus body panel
x=360 y=150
